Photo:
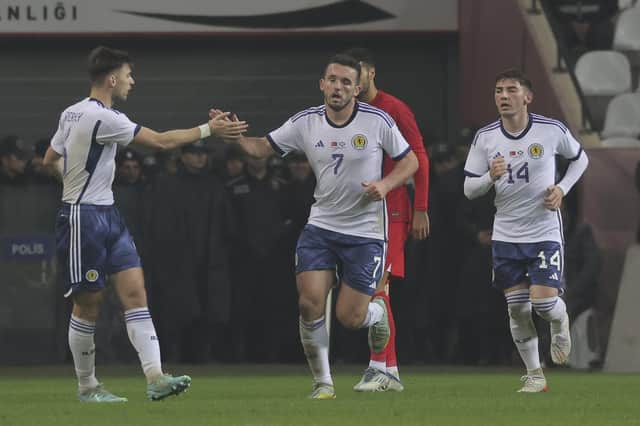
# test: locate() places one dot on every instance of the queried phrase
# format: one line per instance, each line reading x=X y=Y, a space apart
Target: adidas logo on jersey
x=320 y=144
x=553 y=276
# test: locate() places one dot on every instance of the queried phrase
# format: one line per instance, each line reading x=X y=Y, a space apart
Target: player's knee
x=133 y=297
x=349 y=318
x=86 y=305
x=519 y=305
x=310 y=308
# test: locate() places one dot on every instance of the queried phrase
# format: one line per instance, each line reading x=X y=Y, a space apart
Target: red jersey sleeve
x=406 y=121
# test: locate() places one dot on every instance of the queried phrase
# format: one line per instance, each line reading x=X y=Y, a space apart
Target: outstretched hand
x=226 y=125
x=375 y=191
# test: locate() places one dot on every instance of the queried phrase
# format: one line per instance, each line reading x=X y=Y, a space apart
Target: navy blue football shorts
x=359 y=261
x=92 y=242
x=527 y=263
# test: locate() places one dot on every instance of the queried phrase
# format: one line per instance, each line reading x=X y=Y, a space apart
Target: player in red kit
x=382 y=372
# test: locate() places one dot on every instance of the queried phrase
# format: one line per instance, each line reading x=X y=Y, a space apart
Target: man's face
x=123 y=82
x=339 y=86
x=195 y=161
x=511 y=97
x=130 y=171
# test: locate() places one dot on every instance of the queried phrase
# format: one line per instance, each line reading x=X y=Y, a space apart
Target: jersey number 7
x=338 y=158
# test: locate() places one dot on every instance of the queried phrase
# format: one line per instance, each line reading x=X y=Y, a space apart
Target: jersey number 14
x=522 y=173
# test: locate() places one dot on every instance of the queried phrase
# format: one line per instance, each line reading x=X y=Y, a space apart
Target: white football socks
x=378 y=365
x=83 y=349
x=552 y=309
x=315 y=342
x=142 y=335
x=522 y=328
x=374 y=314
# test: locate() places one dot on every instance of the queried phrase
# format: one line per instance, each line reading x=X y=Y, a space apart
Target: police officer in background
x=128 y=168
x=14 y=157
x=191 y=232
x=259 y=199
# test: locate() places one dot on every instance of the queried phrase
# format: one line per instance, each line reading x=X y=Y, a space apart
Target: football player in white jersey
x=93 y=242
x=344 y=141
x=516 y=154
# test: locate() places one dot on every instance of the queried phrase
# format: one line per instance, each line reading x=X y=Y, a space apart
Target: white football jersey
x=342 y=157
x=87 y=137
x=531 y=167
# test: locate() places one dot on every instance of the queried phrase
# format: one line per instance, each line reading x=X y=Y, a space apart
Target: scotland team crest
x=359 y=141
x=92 y=275
x=535 y=150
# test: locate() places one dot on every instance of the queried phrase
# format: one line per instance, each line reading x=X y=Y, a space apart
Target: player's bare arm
x=402 y=171
x=256 y=147
x=218 y=125
x=52 y=162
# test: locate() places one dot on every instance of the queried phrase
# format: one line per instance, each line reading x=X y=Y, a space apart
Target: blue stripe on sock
x=83 y=328
x=544 y=307
x=139 y=318
x=142 y=311
x=521 y=297
x=313 y=326
x=518 y=300
x=137 y=314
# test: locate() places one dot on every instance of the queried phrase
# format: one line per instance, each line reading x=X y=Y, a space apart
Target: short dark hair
x=517 y=75
x=103 y=60
x=347 y=61
x=362 y=54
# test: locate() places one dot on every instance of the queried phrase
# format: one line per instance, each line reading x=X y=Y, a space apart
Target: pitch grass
x=276 y=395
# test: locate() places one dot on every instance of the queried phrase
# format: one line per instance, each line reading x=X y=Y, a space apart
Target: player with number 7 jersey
x=517 y=155
x=344 y=141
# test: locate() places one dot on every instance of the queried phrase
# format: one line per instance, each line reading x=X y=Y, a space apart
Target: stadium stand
x=626 y=39
x=602 y=75
x=623 y=117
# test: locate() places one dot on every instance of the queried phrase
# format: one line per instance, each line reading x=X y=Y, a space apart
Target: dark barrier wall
x=30 y=302
x=265 y=80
